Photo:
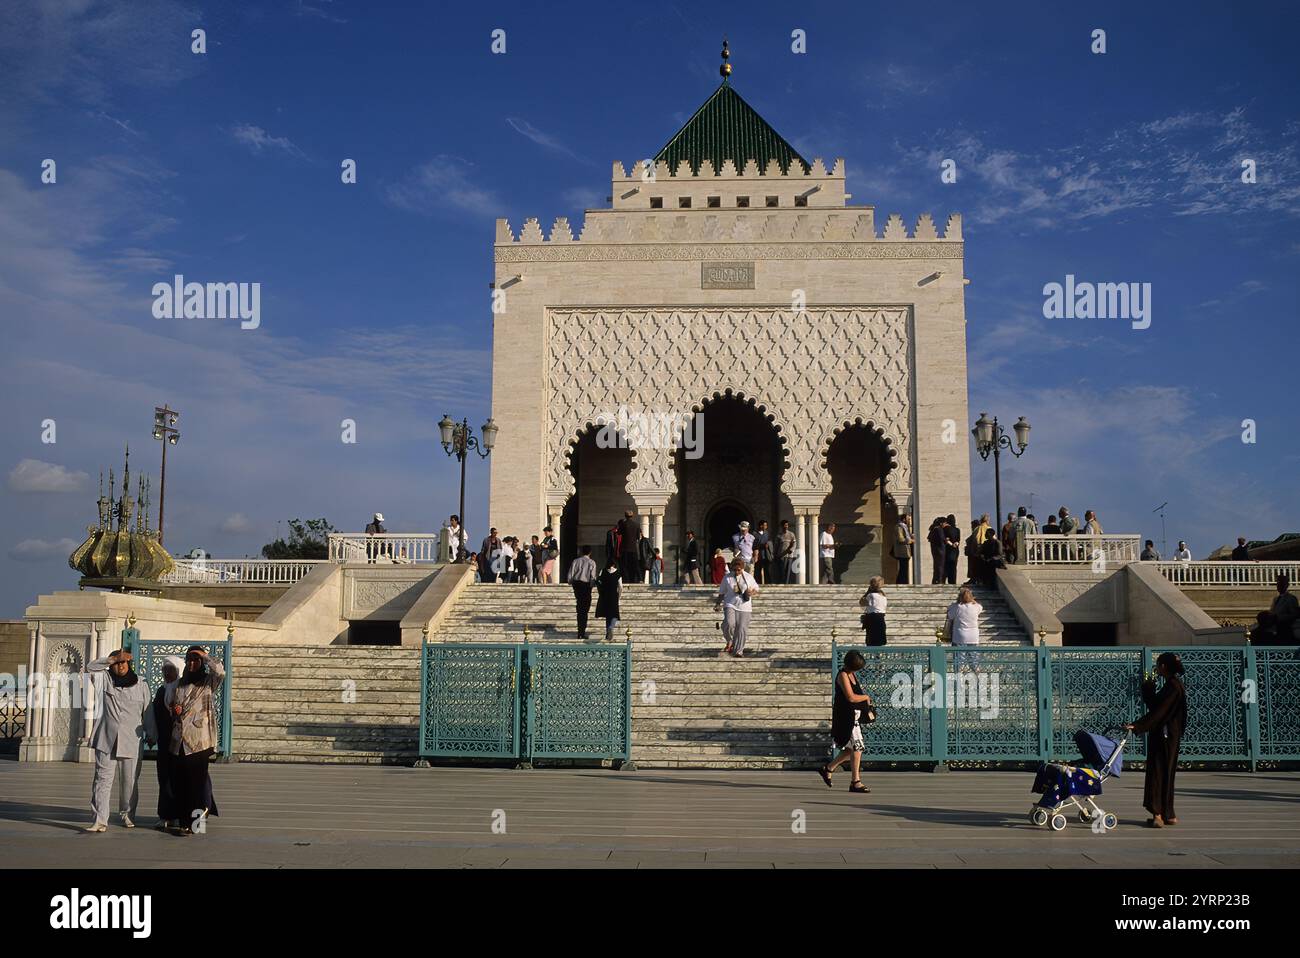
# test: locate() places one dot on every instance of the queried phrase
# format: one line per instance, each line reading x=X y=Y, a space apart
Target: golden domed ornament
x=124 y=559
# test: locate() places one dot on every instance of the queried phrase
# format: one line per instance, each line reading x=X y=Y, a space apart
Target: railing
x=240 y=571
x=1228 y=575
x=979 y=705
x=1082 y=549
x=13 y=720
x=525 y=702
x=397 y=547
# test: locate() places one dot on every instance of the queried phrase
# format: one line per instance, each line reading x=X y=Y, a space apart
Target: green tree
x=307 y=540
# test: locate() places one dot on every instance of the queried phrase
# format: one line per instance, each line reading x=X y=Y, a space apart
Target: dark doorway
x=362 y=632
x=1089 y=633
x=723 y=522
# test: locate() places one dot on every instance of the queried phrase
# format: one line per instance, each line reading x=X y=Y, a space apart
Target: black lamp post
x=458 y=440
x=165 y=431
x=990 y=437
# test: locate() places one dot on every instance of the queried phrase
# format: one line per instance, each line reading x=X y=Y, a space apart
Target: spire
x=725 y=128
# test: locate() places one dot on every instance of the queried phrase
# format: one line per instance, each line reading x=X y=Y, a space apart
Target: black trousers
x=903 y=566
x=950 y=568
x=582 y=596
x=937 y=560
x=631 y=567
x=192 y=786
x=168 y=809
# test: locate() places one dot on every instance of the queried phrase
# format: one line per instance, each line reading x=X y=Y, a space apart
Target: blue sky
x=1122 y=167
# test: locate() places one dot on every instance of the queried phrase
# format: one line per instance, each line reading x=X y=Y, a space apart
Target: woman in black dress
x=1164 y=724
x=158 y=723
x=608 y=587
x=846 y=710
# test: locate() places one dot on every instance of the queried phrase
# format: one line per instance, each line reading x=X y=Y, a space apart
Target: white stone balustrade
x=1081 y=549
x=1227 y=575
x=239 y=571
x=396 y=547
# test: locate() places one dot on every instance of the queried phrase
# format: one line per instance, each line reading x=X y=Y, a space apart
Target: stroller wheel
x=1084 y=816
x=1110 y=821
x=1038 y=816
x=1058 y=822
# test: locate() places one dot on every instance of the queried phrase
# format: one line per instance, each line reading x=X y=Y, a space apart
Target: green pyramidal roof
x=727 y=128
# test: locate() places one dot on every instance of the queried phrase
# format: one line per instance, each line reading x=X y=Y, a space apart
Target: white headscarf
x=176 y=662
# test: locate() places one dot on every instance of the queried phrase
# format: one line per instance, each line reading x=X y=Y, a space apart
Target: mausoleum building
x=815 y=356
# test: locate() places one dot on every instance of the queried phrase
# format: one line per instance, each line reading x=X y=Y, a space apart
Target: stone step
x=358 y=713
x=314 y=732
x=288 y=680
x=275 y=753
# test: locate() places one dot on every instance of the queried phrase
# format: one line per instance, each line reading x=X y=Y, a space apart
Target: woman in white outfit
x=964 y=627
x=873 y=620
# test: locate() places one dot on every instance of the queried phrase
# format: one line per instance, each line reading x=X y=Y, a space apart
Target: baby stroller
x=1064 y=785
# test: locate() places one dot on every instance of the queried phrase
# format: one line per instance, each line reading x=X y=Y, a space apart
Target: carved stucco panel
x=811 y=371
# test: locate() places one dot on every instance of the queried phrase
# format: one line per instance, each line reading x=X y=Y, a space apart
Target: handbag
x=867 y=715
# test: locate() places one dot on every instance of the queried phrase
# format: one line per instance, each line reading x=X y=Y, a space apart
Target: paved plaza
x=331 y=816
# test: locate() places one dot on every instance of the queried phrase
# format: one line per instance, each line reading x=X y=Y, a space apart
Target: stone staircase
x=330 y=703
x=691 y=707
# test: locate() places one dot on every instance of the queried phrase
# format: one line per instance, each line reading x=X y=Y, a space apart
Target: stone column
x=659 y=531
x=802 y=537
x=814 y=549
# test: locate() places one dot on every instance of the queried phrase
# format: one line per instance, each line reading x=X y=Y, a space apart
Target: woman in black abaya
x=1164 y=724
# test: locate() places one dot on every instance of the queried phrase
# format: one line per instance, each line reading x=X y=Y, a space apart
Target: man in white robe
x=121 y=701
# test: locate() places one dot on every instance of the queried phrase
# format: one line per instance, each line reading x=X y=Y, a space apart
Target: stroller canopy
x=1097 y=750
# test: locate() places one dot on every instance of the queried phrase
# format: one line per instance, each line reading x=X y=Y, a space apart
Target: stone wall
x=15 y=645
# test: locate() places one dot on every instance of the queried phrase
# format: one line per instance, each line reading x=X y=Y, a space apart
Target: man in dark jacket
x=952 y=543
x=691 y=559
x=630 y=564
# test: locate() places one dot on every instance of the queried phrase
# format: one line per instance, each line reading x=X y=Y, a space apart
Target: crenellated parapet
x=654 y=204
x=846 y=224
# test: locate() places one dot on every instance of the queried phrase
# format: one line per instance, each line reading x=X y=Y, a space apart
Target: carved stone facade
x=812 y=371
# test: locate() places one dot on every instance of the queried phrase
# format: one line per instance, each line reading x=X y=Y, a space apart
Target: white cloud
x=258 y=140
x=33 y=475
x=443 y=183
x=546 y=140
x=1188 y=164
x=236 y=524
x=306 y=9
x=85 y=48
x=41 y=550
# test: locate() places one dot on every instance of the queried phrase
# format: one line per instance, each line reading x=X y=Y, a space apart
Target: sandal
x=825 y=773
x=1171 y=821
x=1155 y=822
x=858 y=786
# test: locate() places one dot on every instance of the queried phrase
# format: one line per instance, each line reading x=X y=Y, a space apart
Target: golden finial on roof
x=725 y=70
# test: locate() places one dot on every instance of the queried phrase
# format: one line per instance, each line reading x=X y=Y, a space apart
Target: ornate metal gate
x=522 y=701
x=579 y=701
x=469 y=700
x=152 y=652
x=1279 y=703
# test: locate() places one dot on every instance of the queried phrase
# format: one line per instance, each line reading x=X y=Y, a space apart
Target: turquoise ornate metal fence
x=944 y=704
x=579 y=702
x=526 y=702
x=469 y=701
x=150 y=654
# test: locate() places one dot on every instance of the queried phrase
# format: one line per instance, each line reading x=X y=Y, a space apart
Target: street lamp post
x=458 y=440
x=990 y=437
x=165 y=431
